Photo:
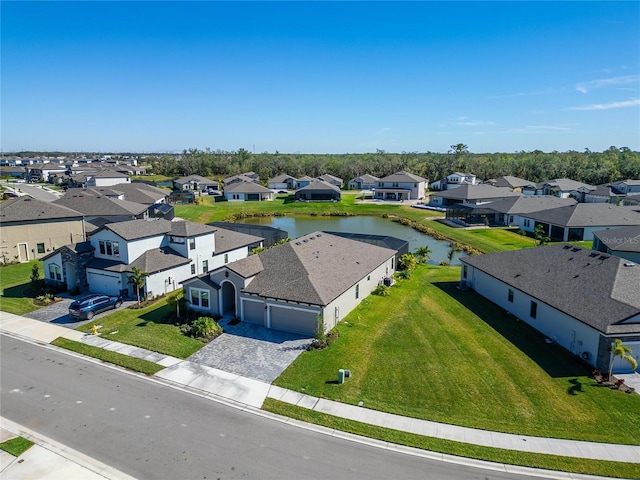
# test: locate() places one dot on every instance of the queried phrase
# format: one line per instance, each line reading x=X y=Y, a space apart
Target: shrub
x=205 y=328
x=381 y=290
x=403 y=274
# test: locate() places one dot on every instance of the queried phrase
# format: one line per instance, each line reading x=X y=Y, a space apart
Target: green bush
x=381 y=290
x=205 y=327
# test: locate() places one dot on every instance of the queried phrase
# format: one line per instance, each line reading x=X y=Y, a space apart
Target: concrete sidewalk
x=243 y=391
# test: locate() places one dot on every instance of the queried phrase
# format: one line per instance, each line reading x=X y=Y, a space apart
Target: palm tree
x=622 y=351
x=423 y=254
x=137 y=279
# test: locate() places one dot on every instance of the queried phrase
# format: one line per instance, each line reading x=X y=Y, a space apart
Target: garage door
x=253 y=312
x=100 y=282
x=622 y=366
x=296 y=321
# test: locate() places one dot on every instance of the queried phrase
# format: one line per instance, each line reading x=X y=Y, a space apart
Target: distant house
x=195 y=182
x=599 y=194
x=31 y=228
x=454 y=180
x=514 y=183
x=401 y=186
x=338 y=182
x=247 y=192
x=304 y=181
x=291 y=286
x=318 y=191
x=363 y=182
x=580 y=299
x=94 y=206
x=243 y=177
x=282 y=182
x=578 y=222
x=40 y=172
x=270 y=235
x=621 y=242
x=627 y=187
x=13 y=172
x=170 y=252
x=136 y=192
x=107 y=178
x=563 y=187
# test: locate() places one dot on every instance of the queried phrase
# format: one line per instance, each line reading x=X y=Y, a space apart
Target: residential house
x=600 y=194
x=270 y=235
x=621 y=242
x=471 y=195
x=195 y=182
x=401 y=186
x=454 y=180
x=303 y=181
x=137 y=192
x=627 y=187
x=30 y=228
x=578 y=222
x=580 y=299
x=106 y=178
x=506 y=211
x=40 y=172
x=243 y=177
x=292 y=286
x=563 y=187
x=170 y=252
x=66 y=265
x=514 y=183
x=13 y=172
x=318 y=191
x=282 y=183
x=338 y=182
x=247 y=192
x=363 y=182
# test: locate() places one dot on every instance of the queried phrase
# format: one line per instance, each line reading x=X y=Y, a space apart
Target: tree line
x=589 y=167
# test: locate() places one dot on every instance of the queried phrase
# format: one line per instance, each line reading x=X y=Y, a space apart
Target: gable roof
x=188 y=179
x=329 y=178
x=626 y=239
x=524 y=204
x=137 y=229
x=512 y=182
x=319 y=185
x=99 y=205
x=246 y=187
x=280 y=178
x=135 y=192
x=566 y=184
x=562 y=275
x=587 y=214
x=25 y=209
x=314 y=269
x=157 y=260
x=477 y=192
x=227 y=240
x=366 y=178
x=403 y=177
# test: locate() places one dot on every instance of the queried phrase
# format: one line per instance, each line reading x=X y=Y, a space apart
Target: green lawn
x=14 y=282
x=16 y=446
x=146 y=328
x=433 y=352
x=132 y=363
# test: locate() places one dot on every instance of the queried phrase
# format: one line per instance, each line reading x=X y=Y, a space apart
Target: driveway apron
x=251 y=351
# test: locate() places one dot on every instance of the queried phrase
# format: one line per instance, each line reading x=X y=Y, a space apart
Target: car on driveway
x=87 y=307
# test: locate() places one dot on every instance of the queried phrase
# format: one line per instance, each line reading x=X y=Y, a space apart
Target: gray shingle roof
x=366 y=178
x=528 y=204
x=99 y=205
x=133 y=192
x=314 y=269
x=158 y=259
x=403 y=177
x=599 y=290
x=512 y=182
x=183 y=228
x=587 y=215
x=246 y=187
x=566 y=184
x=320 y=185
x=476 y=192
x=227 y=240
x=135 y=229
x=626 y=239
x=25 y=209
x=330 y=178
x=280 y=178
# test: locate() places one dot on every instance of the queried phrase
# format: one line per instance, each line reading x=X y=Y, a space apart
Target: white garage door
x=253 y=312
x=101 y=282
x=296 y=321
x=622 y=366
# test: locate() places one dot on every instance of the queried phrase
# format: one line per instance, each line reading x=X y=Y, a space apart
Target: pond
x=303 y=225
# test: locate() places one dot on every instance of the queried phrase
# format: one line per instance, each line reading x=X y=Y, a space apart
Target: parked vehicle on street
x=87 y=307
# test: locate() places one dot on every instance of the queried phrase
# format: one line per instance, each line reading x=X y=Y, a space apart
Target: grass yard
x=132 y=363
x=433 y=352
x=14 y=282
x=146 y=328
x=16 y=446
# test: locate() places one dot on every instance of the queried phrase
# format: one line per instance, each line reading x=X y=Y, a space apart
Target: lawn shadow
x=576 y=386
x=551 y=357
x=17 y=291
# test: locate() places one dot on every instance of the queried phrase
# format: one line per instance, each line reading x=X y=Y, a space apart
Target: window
x=54 y=272
x=357 y=291
x=368 y=277
x=41 y=248
x=464 y=271
x=199 y=298
x=107 y=247
x=395 y=185
x=510 y=218
x=510 y=296
x=226 y=258
x=533 y=310
x=173 y=239
x=192 y=244
x=527 y=222
x=193 y=269
x=205 y=266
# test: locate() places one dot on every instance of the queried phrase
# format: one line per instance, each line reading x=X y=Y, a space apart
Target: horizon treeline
x=593 y=168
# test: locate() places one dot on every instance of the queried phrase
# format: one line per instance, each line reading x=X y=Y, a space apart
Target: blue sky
x=320 y=77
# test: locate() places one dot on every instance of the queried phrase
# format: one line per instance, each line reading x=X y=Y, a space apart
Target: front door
x=24 y=253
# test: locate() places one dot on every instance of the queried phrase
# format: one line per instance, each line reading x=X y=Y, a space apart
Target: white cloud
x=467 y=122
x=585 y=87
x=609 y=106
x=382 y=131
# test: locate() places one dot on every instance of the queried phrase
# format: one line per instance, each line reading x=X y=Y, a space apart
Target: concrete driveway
x=251 y=351
x=58 y=313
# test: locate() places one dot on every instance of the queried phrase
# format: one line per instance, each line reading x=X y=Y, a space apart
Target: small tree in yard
x=137 y=279
x=407 y=262
x=423 y=254
x=36 y=281
x=540 y=235
x=622 y=351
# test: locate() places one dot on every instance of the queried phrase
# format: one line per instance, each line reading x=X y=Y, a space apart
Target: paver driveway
x=251 y=351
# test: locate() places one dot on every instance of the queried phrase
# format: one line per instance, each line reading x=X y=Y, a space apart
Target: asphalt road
x=34 y=190
x=152 y=431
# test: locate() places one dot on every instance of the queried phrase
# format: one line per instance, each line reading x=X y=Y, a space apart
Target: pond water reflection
x=303 y=225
